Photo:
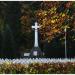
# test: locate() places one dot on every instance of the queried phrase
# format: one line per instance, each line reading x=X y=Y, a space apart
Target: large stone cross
x=36 y=34
x=36 y=51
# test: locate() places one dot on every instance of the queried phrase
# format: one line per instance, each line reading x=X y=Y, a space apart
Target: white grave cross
x=36 y=34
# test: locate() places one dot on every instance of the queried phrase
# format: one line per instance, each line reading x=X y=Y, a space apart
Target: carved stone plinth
x=36 y=52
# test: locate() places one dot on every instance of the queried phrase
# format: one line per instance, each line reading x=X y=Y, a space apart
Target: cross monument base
x=36 y=52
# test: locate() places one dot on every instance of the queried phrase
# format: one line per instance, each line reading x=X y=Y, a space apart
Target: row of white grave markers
x=36 y=60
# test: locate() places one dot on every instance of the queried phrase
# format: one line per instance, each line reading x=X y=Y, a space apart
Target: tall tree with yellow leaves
x=54 y=17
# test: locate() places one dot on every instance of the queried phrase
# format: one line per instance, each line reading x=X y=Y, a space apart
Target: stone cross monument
x=36 y=34
x=36 y=52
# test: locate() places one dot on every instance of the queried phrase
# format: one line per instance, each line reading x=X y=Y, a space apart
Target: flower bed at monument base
x=37 y=66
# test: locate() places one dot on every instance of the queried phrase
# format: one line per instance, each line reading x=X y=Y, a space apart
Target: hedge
x=38 y=68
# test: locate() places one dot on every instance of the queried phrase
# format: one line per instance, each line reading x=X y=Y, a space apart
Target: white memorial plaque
x=26 y=54
x=35 y=53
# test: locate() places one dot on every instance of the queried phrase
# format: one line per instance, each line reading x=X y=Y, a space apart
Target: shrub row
x=38 y=68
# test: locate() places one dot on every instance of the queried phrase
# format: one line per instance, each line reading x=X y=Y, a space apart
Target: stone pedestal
x=36 y=52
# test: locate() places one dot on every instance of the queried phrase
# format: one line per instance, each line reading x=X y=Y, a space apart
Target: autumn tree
x=54 y=17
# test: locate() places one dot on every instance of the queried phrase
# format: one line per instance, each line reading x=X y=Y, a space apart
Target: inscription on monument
x=35 y=53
